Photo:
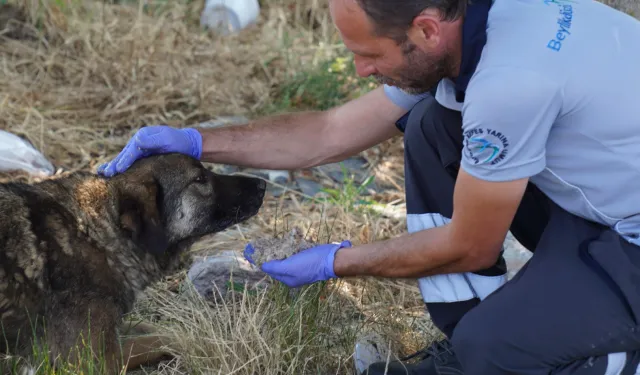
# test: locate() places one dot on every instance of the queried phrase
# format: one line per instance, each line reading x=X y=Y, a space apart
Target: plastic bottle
x=229 y=16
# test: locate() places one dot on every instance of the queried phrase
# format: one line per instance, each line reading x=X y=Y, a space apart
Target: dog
x=77 y=250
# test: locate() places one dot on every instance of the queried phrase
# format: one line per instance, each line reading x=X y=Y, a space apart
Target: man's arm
x=302 y=140
x=483 y=212
x=287 y=141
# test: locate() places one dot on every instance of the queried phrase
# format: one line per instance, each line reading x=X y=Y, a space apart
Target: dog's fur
x=76 y=250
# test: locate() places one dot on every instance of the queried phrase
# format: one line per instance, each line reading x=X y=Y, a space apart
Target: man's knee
x=477 y=342
x=490 y=341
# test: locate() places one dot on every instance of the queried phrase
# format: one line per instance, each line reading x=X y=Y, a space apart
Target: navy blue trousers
x=573 y=308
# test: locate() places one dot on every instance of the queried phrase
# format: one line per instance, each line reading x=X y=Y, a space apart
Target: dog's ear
x=140 y=216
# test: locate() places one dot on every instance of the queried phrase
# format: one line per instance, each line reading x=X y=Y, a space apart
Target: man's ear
x=427 y=28
x=140 y=217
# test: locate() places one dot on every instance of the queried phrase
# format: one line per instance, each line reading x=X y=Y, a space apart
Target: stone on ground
x=215 y=275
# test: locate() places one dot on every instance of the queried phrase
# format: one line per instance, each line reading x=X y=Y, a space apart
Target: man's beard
x=421 y=71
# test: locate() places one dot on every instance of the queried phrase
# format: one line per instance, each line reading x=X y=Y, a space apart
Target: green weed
x=350 y=194
x=331 y=83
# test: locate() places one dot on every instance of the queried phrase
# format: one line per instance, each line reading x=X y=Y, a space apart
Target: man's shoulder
x=545 y=33
x=521 y=49
x=519 y=33
x=550 y=45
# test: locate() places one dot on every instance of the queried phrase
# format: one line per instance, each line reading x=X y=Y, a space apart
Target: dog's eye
x=200 y=179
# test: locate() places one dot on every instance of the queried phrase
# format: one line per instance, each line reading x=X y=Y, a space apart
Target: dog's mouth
x=216 y=225
x=238 y=215
x=237 y=210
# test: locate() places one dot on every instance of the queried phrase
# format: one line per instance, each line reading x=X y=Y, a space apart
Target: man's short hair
x=393 y=18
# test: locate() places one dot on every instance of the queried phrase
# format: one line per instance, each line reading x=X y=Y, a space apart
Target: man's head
x=411 y=44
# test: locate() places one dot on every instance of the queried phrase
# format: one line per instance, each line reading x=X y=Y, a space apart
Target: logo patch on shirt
x=485 y=146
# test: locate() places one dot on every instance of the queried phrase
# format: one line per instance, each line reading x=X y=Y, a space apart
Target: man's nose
x=363 y=67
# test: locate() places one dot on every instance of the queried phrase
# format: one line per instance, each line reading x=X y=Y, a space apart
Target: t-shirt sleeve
x=507 y=117
x=402 y=98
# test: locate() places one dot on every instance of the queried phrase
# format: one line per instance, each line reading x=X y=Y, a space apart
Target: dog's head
x=171 y=199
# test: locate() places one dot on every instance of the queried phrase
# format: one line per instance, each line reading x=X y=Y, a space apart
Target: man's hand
x=306 y=267
x=154 y=140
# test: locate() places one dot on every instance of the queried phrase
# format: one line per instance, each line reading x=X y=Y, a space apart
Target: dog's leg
x=144 y=350
x=132 y=328
x=85 y=334
x=80 y=348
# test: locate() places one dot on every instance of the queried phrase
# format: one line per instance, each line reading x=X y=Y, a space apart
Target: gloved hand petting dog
x=154 y=140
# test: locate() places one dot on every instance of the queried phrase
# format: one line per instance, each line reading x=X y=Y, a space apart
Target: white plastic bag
x=229 y=16
x=18 y=154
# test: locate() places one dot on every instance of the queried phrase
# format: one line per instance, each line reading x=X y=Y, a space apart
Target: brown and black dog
x=76 y=250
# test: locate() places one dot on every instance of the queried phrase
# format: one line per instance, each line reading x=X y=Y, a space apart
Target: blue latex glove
x=306 y=267
x=151 y=140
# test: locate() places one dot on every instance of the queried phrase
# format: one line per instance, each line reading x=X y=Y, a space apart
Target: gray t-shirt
x=556 y=97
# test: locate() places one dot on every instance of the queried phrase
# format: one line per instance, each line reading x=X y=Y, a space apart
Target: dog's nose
x=262 y=184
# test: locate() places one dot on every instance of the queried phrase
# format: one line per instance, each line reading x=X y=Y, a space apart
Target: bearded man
x=519 y=115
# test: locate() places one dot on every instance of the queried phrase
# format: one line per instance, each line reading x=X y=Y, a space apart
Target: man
x=516 y=114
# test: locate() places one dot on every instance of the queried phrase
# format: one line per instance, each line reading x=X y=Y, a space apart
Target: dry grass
x=79 y=78
x=274 y=331
x=96 y=72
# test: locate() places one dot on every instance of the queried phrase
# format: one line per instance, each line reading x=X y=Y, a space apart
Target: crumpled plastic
x=18 y=154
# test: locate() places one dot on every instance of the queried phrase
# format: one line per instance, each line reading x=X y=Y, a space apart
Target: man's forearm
x=424 y=253
x=287 y=141
x=305 y=139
